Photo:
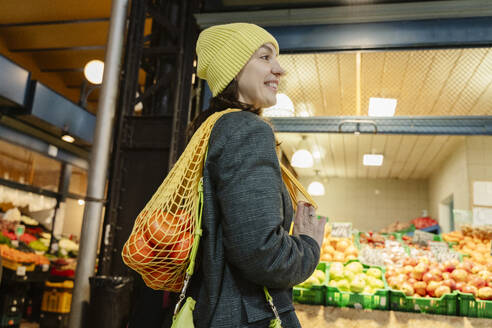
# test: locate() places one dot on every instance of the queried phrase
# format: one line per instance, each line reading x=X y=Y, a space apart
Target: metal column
x=99 y=163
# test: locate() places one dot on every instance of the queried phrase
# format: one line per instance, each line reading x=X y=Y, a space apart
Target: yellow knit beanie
x=223 y=50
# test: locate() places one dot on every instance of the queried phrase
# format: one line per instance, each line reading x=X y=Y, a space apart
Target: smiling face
x=259 y=78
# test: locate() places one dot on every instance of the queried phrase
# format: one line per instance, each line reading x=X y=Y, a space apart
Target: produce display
x=375 y=240
x=336 y=249
x=474 y=243
x=22 y=257
x=354 y=278
x=424 y=278
x=317 y=278
x=392 y=253
x=397 y=226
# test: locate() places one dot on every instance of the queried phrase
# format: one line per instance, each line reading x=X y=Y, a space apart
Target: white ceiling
x=405 y=156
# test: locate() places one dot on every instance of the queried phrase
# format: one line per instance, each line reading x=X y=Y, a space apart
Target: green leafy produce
x=4 y=239
x=38 y=246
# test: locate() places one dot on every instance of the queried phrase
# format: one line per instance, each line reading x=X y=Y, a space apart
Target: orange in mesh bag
x=168 y=228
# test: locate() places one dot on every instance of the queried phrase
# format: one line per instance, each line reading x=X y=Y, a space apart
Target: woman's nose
x=277 y=69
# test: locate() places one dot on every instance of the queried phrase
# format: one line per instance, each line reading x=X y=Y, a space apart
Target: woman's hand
x=307 y=223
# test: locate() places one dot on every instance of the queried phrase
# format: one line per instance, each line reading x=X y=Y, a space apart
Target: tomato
x=139 y=250
x=181 y=249
x=163 y=228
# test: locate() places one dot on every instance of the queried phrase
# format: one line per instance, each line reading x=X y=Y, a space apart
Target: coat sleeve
x=249 y=191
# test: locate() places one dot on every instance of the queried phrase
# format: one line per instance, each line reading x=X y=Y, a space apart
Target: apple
x=427 y=277
x=407 y=289
x=478 y=282
x=407 y=269
x=374 y=272
x=411 y=281
x=459 y=275
x=442 y=290
x=431 y=287
x=450 y=283
x=417 y=275
x=465 y=265
x=421 y=267
x=436 y=272
x=484 y=274
x=449 y=266
x=468 y=289
x=446 y=275
x=460 y=285
x=488 y=266
x=477 y=268
x=420 y=287
x=485 y=293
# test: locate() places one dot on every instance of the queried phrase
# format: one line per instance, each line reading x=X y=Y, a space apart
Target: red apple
x=420 y=287
x=485 y=275
x=442 y=290
x=449 y=266
x=450 y=283
x=465 y=265
x=417 y=275
x=436 y=272
x=446 y=275
x=459 y=275
x=478 y=282
x=468 y=289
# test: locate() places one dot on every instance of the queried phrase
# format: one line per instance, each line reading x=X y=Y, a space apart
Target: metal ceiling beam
x=353 y=14
x=435 y=125
x=76 y=48
x=57 y=22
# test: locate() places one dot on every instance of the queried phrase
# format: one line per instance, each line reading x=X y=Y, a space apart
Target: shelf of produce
x=379 y=300
x=469 y=306
x=446 y=304
x=314 y=295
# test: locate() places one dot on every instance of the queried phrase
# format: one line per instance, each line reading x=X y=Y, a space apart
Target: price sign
x=15 y=243
x=438 y=246
x=21 y=270
x=422 y=237
x=341 y=229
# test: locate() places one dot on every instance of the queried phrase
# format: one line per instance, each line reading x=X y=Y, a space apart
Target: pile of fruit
x=374 y=240
x=424 y=278
x=354 y=278
x=473 y=242
x=336 y=249
x=22 y=257
x=317 y=278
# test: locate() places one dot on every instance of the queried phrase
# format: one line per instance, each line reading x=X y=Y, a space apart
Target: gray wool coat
x=245 y=243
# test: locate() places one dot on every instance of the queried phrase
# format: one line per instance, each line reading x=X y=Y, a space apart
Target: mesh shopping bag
x=164 y=232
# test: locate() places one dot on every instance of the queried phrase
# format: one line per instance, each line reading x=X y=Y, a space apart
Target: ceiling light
x=283 y=108
x=316 y=189
x=372 y=160
x=81 y=202
x=302 y=158
x=68 y=138
x=94 y=70
x=382 y=106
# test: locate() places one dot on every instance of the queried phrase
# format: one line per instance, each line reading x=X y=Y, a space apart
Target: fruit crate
x=469 y=306
x=446 y=304
x=315 y=295
x=376 y=301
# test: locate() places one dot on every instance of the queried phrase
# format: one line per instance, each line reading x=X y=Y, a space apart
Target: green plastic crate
x=315 y=295
x=377 y=301
x=446 y=304
x=468 y=306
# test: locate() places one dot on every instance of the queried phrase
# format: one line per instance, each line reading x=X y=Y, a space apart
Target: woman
x=247 y=209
